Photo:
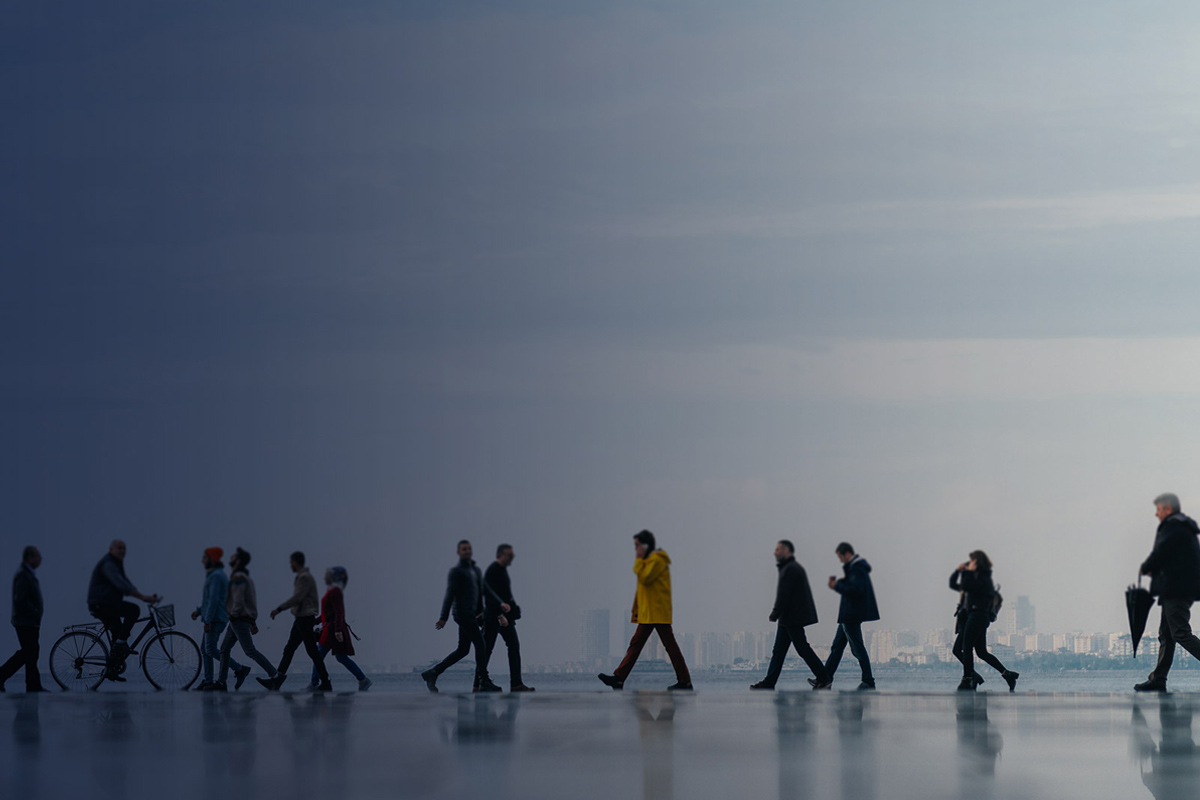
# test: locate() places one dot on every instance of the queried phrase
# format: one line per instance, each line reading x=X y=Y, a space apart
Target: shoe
x=812 y=682
x=266 y=683
x=978 y=679
x=612 y=680
x=113 y=674
x=866 y=686
x=822 y=684
x=240 y=676
x=1010 y=678
x=365 y=684
x=219 y=686
x=205 y=686
x=680 y=687
x=520 y=687
x=1151 y=685
x=488 y=686
x=763 y=685
x=967 y=684
x=430 y=677
x=325 y=686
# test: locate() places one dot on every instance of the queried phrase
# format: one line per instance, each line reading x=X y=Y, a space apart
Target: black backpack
x=997 y=602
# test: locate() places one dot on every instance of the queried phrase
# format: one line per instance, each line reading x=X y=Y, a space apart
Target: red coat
x=333 y=620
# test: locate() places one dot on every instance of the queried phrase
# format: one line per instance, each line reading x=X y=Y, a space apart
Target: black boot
x=967 y=684
x=1010 y=678
x=611 y=680
x=1151 y=685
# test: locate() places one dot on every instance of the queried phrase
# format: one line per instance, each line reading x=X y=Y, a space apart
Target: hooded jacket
x=1174 y=563
x=333 y=622
x=242 y=603
x=652 y=602
x=858 y=595
x=793 y=596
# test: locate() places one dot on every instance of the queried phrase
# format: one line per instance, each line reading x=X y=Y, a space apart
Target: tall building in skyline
x=595 y=641
x=1026 y=615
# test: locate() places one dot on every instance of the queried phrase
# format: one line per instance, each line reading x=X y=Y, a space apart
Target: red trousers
x=667 y=637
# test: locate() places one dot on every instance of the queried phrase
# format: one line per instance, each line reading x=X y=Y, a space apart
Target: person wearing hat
x=213 y=614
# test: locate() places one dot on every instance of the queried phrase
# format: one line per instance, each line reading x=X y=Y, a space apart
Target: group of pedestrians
x=239 y=611
x=483 y=608
x=228 y=605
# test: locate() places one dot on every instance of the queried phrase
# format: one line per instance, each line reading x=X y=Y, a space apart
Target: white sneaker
x=365 y=684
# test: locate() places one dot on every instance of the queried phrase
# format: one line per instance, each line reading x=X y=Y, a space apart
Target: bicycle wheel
x=78 y=661
x=171 y=661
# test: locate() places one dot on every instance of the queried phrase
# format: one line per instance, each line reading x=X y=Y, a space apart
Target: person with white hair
x=1174 y=569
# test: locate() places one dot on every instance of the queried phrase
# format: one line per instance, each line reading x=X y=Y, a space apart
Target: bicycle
x=79 y=660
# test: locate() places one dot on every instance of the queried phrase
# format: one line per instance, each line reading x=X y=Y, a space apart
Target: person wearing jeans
x=213 y=614
x=794 y=609
x=1174 y=569
x=336 y=636
x=652 y=612
x=857 y=606
x=242 y=605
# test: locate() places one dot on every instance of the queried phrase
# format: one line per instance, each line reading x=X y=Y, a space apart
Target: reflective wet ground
x=604 y=745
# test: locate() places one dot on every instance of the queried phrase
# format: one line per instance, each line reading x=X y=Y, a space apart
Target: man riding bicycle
x=106 y=601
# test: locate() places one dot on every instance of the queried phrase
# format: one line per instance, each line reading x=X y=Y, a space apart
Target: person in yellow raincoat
x=651 y=612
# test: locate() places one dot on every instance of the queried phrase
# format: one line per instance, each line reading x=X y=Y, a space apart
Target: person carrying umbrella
x=1174 y=569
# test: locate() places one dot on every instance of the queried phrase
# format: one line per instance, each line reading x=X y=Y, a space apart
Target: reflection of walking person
x=651 y=612
x=974 y=580
x=464 y=592
x=794 y=609
x=858 y=606
x=27 y=621
x=501 y=613
x=336 y=636
x=1174 y=567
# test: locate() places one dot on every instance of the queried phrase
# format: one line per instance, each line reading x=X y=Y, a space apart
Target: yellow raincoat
x=652 y=603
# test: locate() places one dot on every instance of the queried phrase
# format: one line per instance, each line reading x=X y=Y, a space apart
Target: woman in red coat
x=336 y=636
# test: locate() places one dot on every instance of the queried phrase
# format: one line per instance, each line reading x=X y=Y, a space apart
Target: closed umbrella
x=1138 y=603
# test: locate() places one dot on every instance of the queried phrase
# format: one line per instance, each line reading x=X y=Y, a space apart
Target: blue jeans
x=851 y=633
x=210 y=650
x=239 y=633
x=344 y=660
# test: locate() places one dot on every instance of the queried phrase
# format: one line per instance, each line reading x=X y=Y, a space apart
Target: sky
x=363 y=280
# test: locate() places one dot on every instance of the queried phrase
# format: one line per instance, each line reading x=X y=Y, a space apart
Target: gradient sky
x=364 y=279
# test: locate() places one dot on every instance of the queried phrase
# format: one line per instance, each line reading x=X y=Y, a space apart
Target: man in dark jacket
x=27 y=620
x=1174 y=569
x=464 y=592
x=794 y=609
x=500 y=614
x=857 y=606
x=106 y=599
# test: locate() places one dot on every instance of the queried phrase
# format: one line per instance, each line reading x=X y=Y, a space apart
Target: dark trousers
x=27 y=657
x=785 y=637
x=469 y=636
x=641 y=635
x=509 y=634
x=849 y=633
x=1174 y=628
x=302 y=634
x=119 y=619
x=972 y=641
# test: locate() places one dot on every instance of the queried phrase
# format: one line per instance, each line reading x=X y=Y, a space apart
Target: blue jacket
x=216 y=589
x=858 y=595
x=27 y=599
